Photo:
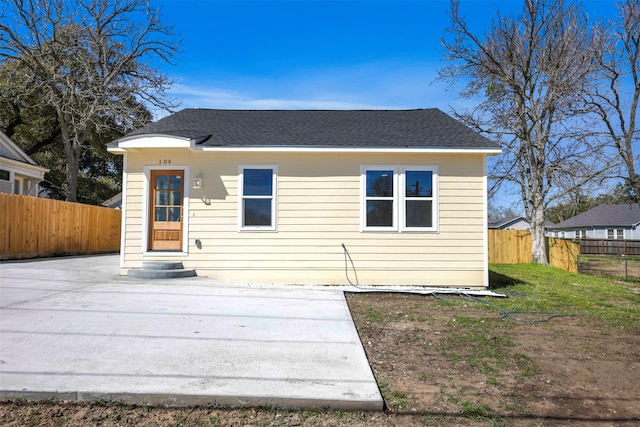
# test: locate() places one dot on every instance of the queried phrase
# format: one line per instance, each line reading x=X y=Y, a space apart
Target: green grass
x=373 y=315
x=480 y=345
x=394 y=398
x=536 y=288
x=535 y=294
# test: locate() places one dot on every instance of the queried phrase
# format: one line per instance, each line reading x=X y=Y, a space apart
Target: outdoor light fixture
x=197 y=181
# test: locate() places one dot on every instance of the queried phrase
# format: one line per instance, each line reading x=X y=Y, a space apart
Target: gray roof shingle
x=425 y=128
x=502 y=222
x=10 y=150
x=604 y=216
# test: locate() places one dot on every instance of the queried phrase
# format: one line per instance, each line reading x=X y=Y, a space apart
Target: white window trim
x=18 y=185
x=399 y=199
x=273 y=197
x=433 y=198
x=364 y=198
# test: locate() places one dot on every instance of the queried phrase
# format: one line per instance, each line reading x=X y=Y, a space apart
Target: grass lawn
x=546 y=289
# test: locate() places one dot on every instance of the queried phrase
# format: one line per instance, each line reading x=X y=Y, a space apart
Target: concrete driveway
x=72 y=328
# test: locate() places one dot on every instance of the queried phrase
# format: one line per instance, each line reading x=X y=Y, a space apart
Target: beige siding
x=318 y=210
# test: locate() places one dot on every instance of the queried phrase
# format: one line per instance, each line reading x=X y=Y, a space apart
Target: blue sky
x=322 y=54
x=318 y=54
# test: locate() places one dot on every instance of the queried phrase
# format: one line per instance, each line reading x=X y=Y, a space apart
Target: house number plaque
x=164 y=162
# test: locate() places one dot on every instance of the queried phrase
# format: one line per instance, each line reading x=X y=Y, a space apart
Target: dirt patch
x=437 y=364
x=568 y=369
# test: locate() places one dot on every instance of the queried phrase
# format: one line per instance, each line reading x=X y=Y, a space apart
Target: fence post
x=579 y=264
x=626 y=270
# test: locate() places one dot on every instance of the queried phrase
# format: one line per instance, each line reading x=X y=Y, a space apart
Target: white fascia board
x=152 y=141
x=433 y=150
x=26 y=169
x=116 y=150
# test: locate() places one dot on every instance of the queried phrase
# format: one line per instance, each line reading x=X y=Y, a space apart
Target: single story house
x=272 y=196
x=19 y=174
x=114 y=202
x=602 y=222
x=518 y=223
x=510 y=223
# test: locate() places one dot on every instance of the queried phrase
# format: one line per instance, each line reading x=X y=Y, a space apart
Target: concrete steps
x=161 y=270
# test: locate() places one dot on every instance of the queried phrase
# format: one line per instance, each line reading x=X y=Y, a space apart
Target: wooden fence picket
x=35 y=227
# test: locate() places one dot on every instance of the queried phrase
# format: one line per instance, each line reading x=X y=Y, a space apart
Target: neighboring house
x=19 y=174
x=271 y=196
x=114 y=202
x=510 y=223
x=518 y=223
x=602 y=222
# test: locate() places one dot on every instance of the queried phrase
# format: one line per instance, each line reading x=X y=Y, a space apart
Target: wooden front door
x=166 y=201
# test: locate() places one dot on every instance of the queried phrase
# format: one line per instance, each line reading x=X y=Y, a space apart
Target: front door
x=167 y=194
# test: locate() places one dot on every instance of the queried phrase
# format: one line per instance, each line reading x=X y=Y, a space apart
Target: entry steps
x=161 y=270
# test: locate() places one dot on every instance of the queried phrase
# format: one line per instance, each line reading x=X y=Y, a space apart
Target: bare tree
x=616 y=100
x=86 y=56
x=528 y=74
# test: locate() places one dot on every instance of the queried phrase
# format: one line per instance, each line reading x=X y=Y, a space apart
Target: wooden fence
x=514 y=247
x=609 y=247
x=33 y=227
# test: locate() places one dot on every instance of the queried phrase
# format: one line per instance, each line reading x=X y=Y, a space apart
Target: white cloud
x=211 y=97
x=363 y=86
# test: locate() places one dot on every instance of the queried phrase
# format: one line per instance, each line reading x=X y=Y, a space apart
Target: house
x=19 y=174
x=114 y=202
x=272 y=196
x=602 y=222
x=518 y=223
x=510 y=223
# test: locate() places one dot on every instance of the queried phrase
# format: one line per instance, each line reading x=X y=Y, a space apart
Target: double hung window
x=399 y=198
x=258 y=197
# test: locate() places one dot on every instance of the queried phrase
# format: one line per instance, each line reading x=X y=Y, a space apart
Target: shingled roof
x=9 y=150
x=604 y=216
x=503 y=222
x=425 y=128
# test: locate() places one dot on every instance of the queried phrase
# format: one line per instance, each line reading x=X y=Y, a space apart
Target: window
x=167 y=199
x=418 y=185
x=398 y=198
x=620 y=233
x=4 y=175
x=609 y=234
x=17 y=186
x=258 y=201
x=380 y=199
x=582 y=234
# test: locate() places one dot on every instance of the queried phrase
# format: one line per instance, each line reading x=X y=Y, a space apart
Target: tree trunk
x=538 y=242
x=73 y=165
x=72 y=156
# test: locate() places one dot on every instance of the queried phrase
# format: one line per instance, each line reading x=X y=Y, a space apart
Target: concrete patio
x=71 y=328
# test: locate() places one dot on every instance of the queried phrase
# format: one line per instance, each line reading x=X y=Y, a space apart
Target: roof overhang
x=151 y=141
x=26 y=169
x=335 y=149
x=136 y=142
